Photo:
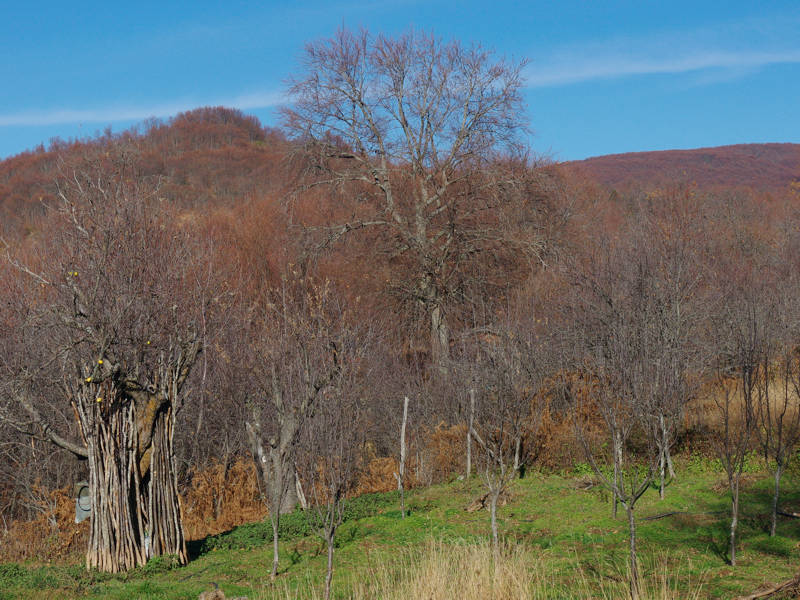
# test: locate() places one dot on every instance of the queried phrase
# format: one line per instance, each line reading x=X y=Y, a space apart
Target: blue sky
x=604 y=77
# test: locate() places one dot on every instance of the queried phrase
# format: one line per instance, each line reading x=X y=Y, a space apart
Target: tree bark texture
x=329 y=573
x=494 y=495
x=402 y=469
x=275 y=550
x=470 y=426
x=774 y=521
x=136 y=512
x=734 y=485
x=617 y=450
x=440 y=336
x=665 y=461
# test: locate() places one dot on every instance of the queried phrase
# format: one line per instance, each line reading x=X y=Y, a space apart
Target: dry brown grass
x=52 y=536
x=378 y=476
x=443 y=571
x=220 y=499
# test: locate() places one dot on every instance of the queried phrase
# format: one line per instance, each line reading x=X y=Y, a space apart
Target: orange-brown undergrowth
x=216 y=499
x=51 y=536
x=219 y=499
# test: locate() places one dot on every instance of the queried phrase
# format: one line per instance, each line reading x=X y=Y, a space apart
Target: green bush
x=42 y=579
x=294 y=525
x=159 y=564
x=12 y=574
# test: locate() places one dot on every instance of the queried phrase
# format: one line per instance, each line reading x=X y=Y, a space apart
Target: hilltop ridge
x=764 y=167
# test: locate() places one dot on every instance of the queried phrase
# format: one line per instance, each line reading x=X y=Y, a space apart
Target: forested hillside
x=758 y=167
x=210 y=321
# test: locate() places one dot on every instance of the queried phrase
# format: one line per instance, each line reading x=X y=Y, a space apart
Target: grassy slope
x=568 y=531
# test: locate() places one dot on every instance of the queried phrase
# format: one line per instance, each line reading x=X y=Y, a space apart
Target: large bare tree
x=113 y=312
x=423 y=141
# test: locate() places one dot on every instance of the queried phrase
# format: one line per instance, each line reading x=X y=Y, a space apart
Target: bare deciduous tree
x=425 y=138
x=290 y=359
x=625 y=355
x=506 y=377
x=116 y=304
x=668 y=241
x=333 y=441
x=778 y=412
x=741 y=339
x=778 y=390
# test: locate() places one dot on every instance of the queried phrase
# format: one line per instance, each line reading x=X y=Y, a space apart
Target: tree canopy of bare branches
x=290 y=360
x=424 y=140
x=633 y=324
x=114 y=306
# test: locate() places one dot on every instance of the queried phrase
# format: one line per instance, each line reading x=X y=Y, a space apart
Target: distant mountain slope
x=206 y=156
x=765 y=167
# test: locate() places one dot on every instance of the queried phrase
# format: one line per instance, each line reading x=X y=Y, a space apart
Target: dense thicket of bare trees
x=291 y=358
x=143 y=337
x=112 y=306
x=423 y=140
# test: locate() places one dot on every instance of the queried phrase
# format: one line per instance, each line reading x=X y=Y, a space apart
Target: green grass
x=569 y=530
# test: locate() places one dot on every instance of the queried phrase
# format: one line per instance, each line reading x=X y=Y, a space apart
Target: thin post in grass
x=400 y=475
x=470 y=427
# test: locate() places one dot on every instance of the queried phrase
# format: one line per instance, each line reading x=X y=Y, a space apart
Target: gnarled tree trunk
x=134 y=496
x=117 y=532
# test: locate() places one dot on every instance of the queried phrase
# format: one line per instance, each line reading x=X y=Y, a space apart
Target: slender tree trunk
x=670 y=467
x=634 y=562
x=440 y=337
x=665 y=461
x=401 y=475
x=470 y=425
x=301 y=497
x=289 y=498
x=275 y=519
x=494 y=495
x=517 y=449
x=617 y=450
x=734 y=485
x=774 y=522
x=329 y=574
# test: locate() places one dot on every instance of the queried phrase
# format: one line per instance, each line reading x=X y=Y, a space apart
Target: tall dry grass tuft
x=443 y=571
x=467 y=572
x=220 y=497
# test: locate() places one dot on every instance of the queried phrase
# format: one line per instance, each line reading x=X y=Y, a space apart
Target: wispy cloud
x=115 y=114
x=567 y=70
x=735 y=47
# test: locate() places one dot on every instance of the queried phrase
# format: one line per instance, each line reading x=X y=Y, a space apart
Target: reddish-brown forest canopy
x=759 y=167
x=714 y=217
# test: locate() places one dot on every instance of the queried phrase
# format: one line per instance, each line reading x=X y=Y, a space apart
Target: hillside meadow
x=559 y=541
